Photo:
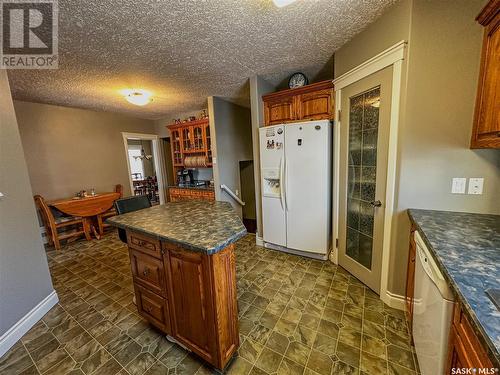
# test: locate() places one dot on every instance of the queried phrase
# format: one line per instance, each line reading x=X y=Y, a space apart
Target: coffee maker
x=185 y=177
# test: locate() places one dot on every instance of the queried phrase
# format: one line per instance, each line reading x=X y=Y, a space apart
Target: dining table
x=87 y=207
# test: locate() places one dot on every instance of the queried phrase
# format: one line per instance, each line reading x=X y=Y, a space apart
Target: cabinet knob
x=146 y=271
x=148 y=309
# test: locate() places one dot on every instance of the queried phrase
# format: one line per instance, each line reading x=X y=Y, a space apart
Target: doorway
x=144 y=165
x=363 y=175
x=247 y=183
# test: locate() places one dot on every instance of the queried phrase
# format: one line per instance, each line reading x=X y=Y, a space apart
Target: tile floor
x=296 y=316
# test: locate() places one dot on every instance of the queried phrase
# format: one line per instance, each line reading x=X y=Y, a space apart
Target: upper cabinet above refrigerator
x=311 y=102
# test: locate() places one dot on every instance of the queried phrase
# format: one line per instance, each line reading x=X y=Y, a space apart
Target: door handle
x=376 y=203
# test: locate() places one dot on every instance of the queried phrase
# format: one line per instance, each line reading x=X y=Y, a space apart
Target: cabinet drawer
x=146 y=244
x=149 y=272
x=153 y=308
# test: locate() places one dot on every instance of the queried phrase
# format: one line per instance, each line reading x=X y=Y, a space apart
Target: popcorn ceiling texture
x=186 y=50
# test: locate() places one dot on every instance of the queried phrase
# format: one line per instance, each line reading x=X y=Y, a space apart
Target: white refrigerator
x=296 y=187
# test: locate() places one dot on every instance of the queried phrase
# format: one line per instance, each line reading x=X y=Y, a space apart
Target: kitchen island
x=183 y=266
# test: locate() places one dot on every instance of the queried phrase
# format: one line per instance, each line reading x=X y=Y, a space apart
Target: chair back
x=119 y=189
x=47 y=216
x=130 y=204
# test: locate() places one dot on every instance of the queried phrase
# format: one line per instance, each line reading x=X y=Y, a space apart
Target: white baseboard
x=259 y=241
x=395 y=301
x=9 y=338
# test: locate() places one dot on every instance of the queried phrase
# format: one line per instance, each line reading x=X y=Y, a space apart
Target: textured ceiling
x=186 y=50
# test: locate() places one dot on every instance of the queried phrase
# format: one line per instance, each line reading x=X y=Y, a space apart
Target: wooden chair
x=109 y=213
x=52 y=225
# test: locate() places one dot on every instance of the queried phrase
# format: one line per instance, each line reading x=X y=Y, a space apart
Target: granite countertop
x=466 y=248
x=197 y=225
x=199 y=187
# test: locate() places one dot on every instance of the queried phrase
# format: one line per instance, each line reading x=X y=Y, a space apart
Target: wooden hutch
x=191 y=138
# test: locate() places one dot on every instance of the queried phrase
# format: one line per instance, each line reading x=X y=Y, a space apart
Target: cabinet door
x=176 y=147
x=316 y=105
x=198 y=141
x=208 y=143
x=187 y=135
x=279 y=111
x=486 y=132
x=457 y=353
x=191 y=301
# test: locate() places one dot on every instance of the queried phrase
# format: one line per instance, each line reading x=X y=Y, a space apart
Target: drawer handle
x=148 y=309
x=146 y=271
x=141 y=243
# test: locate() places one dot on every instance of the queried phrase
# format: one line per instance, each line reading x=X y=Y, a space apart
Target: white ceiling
x=186 y=50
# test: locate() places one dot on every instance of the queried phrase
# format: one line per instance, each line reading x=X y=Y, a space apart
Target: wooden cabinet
x=153 y=307
x=192 y=315
x=183 y=194
x=311 y=102
x=190 y=139
x=486 y=129
x=279 y=110
x=465 y=350
x=188 y=295
x=410 y=277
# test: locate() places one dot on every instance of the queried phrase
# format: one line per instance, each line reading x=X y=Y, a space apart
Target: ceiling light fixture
x=283 y=3
x=137 y=96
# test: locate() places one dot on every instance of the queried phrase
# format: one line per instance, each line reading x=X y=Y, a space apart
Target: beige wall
x=69 y=149
x=161 y=125
x=24 y=274
x=258 y=87
x=439 y=88
x=388 y=30
x=442 y=82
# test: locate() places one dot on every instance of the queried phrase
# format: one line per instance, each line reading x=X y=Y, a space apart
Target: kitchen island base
x=188 y=295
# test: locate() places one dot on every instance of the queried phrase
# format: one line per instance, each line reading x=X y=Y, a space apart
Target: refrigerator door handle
x=282 y=190
x=283 y=183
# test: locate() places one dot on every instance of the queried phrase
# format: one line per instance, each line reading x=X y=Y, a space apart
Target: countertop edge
x=210 y=251
x=476 y=325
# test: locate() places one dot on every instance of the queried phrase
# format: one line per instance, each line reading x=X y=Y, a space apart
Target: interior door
x=364 y=132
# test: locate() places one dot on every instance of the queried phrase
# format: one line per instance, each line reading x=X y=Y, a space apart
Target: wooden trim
x=202 y=121
x=384 y=59
x=23 y=325
x=489 y=12
x=392 y=56
x=323 y=85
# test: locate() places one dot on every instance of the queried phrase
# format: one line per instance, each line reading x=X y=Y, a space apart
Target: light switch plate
x=458 y=185
x=476 y=186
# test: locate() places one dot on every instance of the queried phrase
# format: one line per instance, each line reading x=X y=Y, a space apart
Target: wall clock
x=297 y=80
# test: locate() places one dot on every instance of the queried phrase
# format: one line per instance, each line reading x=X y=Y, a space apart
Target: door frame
x=157 y=153
x=392 y=56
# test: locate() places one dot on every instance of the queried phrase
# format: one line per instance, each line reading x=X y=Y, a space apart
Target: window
x=136 y=166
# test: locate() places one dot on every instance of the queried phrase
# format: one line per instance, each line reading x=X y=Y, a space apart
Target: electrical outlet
x=476 y=186
x=458 y=185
